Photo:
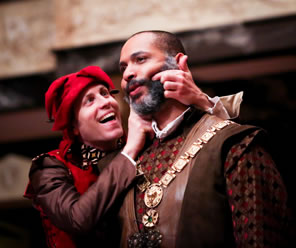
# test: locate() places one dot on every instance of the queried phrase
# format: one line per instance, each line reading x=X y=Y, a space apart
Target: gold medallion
x=153 y=195
x=150 y=218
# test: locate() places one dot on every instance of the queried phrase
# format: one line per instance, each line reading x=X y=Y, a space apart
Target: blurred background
x=232 y=45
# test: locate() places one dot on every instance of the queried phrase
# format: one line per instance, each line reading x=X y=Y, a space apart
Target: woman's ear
x=75 y=132
x=75 y=128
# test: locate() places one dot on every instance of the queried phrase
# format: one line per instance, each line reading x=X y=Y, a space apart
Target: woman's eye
x=89 y=100
x=105 y=92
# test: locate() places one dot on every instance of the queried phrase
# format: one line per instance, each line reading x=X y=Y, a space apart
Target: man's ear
x=181 y=60
x=178 y=58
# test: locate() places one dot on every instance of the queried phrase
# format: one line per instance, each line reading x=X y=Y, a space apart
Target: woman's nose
x=104 y=102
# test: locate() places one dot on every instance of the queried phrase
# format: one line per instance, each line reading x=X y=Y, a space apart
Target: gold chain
x=154 y=192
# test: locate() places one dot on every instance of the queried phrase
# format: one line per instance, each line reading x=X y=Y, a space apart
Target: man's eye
x=122 y=69
x=141 y=59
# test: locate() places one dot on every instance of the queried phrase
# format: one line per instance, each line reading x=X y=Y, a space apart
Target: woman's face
x=97 y=118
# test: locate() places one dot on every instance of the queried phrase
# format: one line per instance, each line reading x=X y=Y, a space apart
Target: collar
x=170 y=127
x=90 y=155
x=83 y=155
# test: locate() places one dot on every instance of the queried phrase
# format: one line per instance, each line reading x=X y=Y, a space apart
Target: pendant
x=153 y=195
x=150 y=218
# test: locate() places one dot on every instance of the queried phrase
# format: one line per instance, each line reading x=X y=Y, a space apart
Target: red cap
x=63 y=92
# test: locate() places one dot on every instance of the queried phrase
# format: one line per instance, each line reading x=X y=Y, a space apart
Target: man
x=77 y=188
x=207 y=182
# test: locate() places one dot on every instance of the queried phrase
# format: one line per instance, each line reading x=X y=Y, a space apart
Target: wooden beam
x=245 y=68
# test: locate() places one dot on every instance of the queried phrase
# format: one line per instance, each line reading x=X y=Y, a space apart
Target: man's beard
x=152 y=102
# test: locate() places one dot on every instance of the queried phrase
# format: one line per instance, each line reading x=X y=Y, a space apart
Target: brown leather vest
x=194 y=211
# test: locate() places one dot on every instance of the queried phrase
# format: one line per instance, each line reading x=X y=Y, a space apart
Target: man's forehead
x=139 y=42
x=144 y=35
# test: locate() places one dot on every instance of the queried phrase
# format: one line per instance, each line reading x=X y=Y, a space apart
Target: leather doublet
x=199 y=184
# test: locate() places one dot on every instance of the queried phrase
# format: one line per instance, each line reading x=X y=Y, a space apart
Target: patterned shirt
x=257 y=196
x=155 y=162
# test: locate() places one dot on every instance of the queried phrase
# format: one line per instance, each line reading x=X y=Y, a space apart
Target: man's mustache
x=134 y=83
x=170 y=64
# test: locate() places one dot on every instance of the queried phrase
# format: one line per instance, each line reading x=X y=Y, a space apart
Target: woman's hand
x=138 y=129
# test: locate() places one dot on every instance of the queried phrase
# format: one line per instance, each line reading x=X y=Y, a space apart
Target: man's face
x=97 y=118
x=140 y=60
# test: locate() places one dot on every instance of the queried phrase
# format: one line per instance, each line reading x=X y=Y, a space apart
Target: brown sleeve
x=67 y=209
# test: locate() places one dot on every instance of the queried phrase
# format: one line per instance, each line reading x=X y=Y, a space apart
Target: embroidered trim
x=90 y=155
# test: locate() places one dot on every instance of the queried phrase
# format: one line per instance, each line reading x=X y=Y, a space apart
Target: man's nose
x=129 y=74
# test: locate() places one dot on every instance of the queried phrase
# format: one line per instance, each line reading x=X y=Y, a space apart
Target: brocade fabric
x=257 y=196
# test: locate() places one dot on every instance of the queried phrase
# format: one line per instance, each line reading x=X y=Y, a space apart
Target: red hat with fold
x=63 y=92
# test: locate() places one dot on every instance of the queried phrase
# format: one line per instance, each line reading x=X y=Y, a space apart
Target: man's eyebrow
x=133 y=55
